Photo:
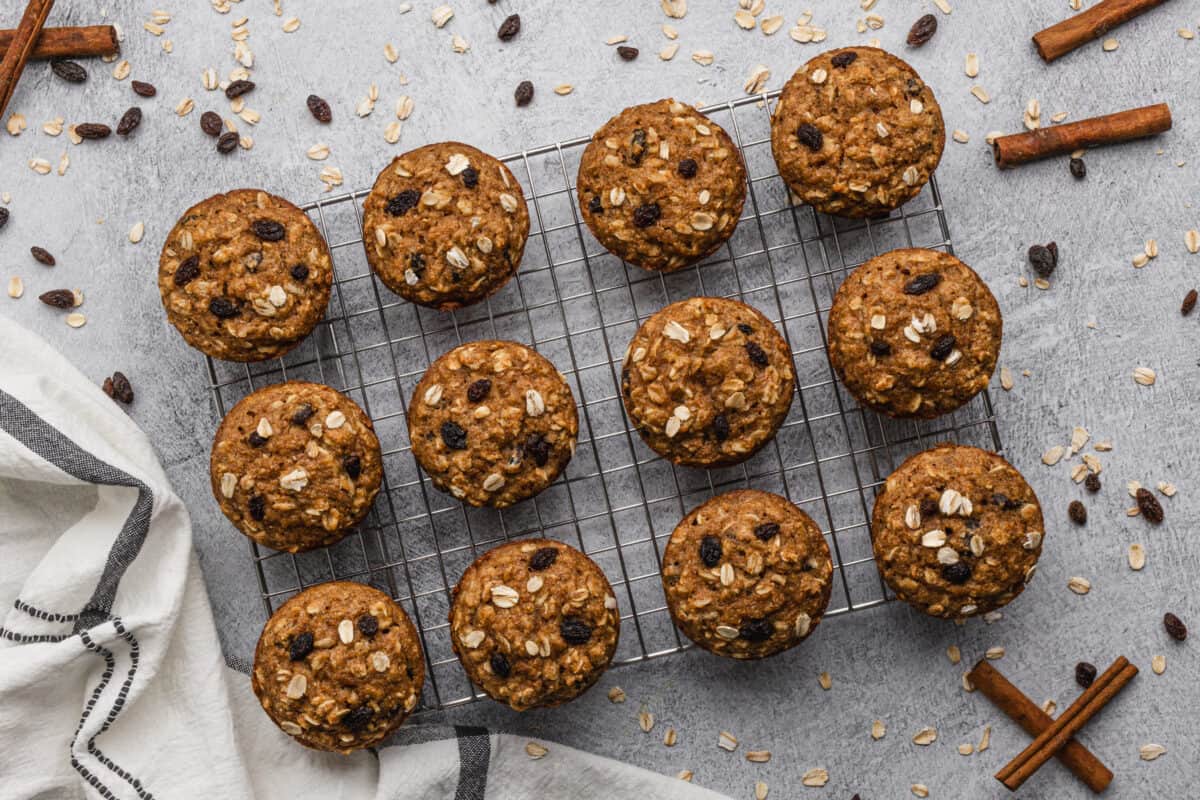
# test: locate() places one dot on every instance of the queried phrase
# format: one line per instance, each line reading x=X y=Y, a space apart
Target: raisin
x=929 y=507
x=299 y=272
x=3 y=217
x=942 y=347
x=367 y=625
x=300 y=646
x=70 y=71
x=720 y=427
x=238 y=88
x=416 y=262
x=542 y=558
x=757 y=355
x=958 y=572
x=500 y=665
x=1149 y=506
x=688 y=168
x=1092 y=482
x=524 y=93
x=255 y=440
x=268 y=230
x=767 y=531
x=143 y=89
x=92 y=130
x=811 y=137
x=358 y=719
x=1085 y=673
x=257 y=507
x=454 y=436
x=479 y=390
x=756 y=630
x=914 y=86
x=646 y=215
x=843 y=59
x=880 y=348
x=923 y=283
x=470 y=177
x=1078 y=168
x=402 y=203
x=58 y=298
x=594 y=205
x=538 y=447
x=575 y=631
x=302 y=414
x=509 y=28
x=744 y=328
x=129 y=121
x=627 y=53
x=122 y=388
x=710 y=551
x=210 y=123
x=922 y=30
x=637 y=146
x=227 y=142
x=319 y=108
x=1043 y=259
x=187 y=271
x=352 y=464
x=1175 y=627
x=42 y=256
x=1077 y=512
x=1189 y=303
x=223 y=308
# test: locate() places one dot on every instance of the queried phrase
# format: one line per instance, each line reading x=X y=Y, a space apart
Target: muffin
x=856 y=132
x=338 y=667
x=661 y=185
x=295 y=466
x=914 y=333
x=747 y=575
x=956 y=531
x=445 y=225
x=707 y=381
x=492 y=423
x=244 y=276
x=534 y=623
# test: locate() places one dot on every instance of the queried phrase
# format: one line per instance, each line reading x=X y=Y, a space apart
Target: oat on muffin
x=492 y=423
x=707 y=381
x=747 y=574
x=445 y=225
x=661 y=185
x=856 y=132
x=534 y=623
x=914 y=333
x=244 y=276
x=957 y=531
x=338 y=667
x=295 y=465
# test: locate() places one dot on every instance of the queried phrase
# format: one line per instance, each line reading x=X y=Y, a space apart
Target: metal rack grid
x=579 y=306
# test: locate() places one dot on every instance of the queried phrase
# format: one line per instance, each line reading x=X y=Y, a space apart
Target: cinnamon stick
x=71 y=42
x=17 y=54
x=1060 y=39
x=1056 y=140
x=1023 y=711
x=1070 y=722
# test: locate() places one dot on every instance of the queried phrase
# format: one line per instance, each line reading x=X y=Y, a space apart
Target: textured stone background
x=886 y=663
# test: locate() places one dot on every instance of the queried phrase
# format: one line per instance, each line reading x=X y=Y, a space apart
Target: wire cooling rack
x=579 y=306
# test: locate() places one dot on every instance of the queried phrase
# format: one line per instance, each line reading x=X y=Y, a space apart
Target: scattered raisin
x=92 y=130
x=1085 y=673
x=358 y=719
x=509 y=28
x=1077 y=512
x=810 y=136
x=1044 y=259
x=121 y=388
x=223 y=308
x=301 y=645
x=238 y=88
x=479 y=390
x=923 y=283
x=958 y=572
x=470 y=177
x=367 y=625
x=3 y=217
x=187 y=271
x=1078 y=168
x=352 y=464
x=922 y=30
x=268 y=230
x=70 y=71
x=720 y=427
x=1175 y=627
x=42 y=256
x=210 y=123
x=594 y=205
x=879 y=347
x=404 y=202
x=59 y=298
x=942 y=347
x=299 y=272
x=1189 y=302
x=538 y=447
x=1149 y=506
x=627 y=53
x=756 y=630
x=843 y=59
x=319 y=108
x=757 y=355
x=542 y=558
x=129 y=121
x=302 y=414
x=143 y=89
x=524 y=93
x=500 y=665
x=688 y=168
x=767 y=531
x=227 y=142
x=710 y=551
x=454 y=436
x=575 y=631
x=646 y=215
x=258 y=507
x=1092 y=482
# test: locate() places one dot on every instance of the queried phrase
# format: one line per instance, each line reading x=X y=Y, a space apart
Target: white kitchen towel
x=112 y=682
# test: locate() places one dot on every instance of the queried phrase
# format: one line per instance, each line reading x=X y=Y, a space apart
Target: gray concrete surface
x=886 y=663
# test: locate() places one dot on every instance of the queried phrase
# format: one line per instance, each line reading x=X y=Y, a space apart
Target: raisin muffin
x=856 y=132
x=338 y=667
x=914 y=333
x=492 y=423
x=244 y=276
x=661 y=185
x=747 y=574
x=534 y=623
x=445 y=225
x=295 y=465
x=707 y=381
x=956 y=531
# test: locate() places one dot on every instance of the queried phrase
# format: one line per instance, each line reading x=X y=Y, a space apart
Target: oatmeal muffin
x=445 y=225
x=857 y=133
x=747 y=574
x=492 y=423
x=914 y=333
x=661 y=185
x=707 y=381
x=244 y=276
x=295 y=466
x=338 y=667
x=956 y=531
x=534 y=623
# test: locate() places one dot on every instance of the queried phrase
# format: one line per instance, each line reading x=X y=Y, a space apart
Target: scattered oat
x=668 y=52
x=684 y=775
x=1158 y=664
x=925 y=736
x=815 y=777
x=954 y=654
x=441 y=15
x=727 y=741
x=961 y=136
x=291 y=25
x=760 y=790
x=318 y=152
x=1079 y=585
x=981 y=94
x=703 y=57
x=1137 y=556
x=757 y=80
x=1191 y=240
x=985 y=741
x=825 y=680
x=535 y=750
x=966 y=749
x=943 y=6
x=1144 y=376
x=878 y=730
x=771 y=25
x=670 y=737
x=758 y=756
x=616 y=695
x=994 y=653
x=564 y=89
x=137 y=232
x=971 y=65
x=458 y=44
x=645 y=720
x=1053 y=455
x=1110 y=44
x=76 y=320
x=16 y=287
x=920 y=790
x=1149 y=752
x=675 y=9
